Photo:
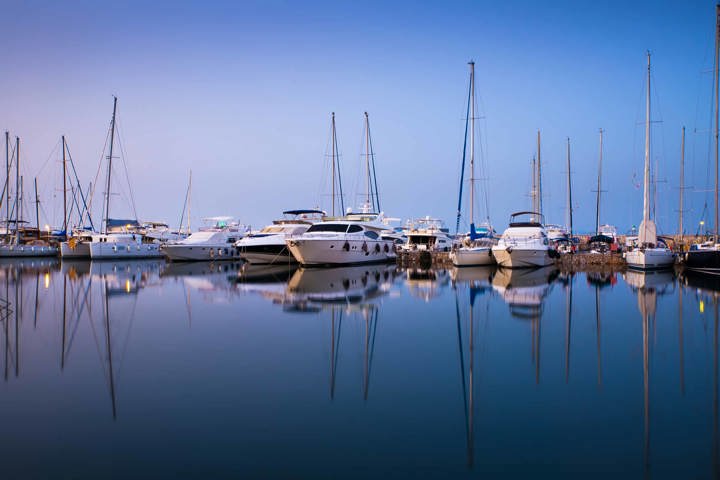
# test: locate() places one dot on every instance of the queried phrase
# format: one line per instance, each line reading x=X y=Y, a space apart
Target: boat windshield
x=328 y=227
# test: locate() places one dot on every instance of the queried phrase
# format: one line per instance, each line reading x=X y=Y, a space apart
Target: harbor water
x=143 y=369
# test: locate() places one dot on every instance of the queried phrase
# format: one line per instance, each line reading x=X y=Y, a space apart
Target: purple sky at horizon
x=242 y=92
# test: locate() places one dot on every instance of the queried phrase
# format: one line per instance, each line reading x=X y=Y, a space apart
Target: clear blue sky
x=241 y=93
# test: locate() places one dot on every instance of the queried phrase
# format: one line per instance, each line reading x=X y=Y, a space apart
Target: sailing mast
x=17 y=189
x=599 y=185
x=37 y=210
x=539 y=177
x=682 y=185
x=336 y=169
x=647 y=234
x=110 y=156
x=7 y=182
x=472 y=148
x=65 y=215
x=569 y=189
x=368 y=190
x=717 y=91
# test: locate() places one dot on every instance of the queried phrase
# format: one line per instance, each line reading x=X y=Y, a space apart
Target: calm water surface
x=143 y=369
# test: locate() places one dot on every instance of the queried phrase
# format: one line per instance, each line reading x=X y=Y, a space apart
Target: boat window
x=354 y=229
x=272 y=229
x=328 y=227
x=372 y=235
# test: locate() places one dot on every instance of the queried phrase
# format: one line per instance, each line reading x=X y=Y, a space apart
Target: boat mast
x=599 y=185
x=682 y=184
x=539 y=177
x=189 y=202
x=646 y=186
x=110 y=156
x=7 y=181
x=17 y=189
x=717 y=91
x=533 y=189
x=65 y=216
x=37 y=210
x=569 y=188
x=368 y=190
x=472 y=145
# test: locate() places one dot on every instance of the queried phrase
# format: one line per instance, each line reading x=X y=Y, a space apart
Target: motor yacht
x=429 y=234
x=353 y=239
x=214 y=242
x=268 y=245
x=524 y=243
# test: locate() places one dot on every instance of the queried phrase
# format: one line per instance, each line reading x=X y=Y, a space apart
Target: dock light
x=46 y=280
x=702 y=306
x=127 y=286
x=47 y=227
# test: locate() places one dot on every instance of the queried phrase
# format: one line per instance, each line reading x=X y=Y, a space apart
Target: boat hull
x=80 y=250
x=23 y=251
x=267 y=254
x=706 y=261
x=200 y=253
x=522 y=257
x=341 y=252
x=472 y=257
x=106 y=250
x=649 y=259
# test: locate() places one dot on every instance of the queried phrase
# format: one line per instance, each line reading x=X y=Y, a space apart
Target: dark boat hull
x=706 y=261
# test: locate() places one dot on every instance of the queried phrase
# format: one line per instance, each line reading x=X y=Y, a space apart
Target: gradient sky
x=241 y=93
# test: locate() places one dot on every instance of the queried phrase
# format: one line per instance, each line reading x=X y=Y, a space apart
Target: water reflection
x=371 y=355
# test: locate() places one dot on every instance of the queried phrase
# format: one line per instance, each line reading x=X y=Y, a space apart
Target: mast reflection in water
x=276 y=371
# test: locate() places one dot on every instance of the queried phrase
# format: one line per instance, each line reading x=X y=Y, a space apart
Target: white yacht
x=427 y=234
x=524 y=243
x=268 y=245
x=353 y=239
x=649 y=253
x=216 y=242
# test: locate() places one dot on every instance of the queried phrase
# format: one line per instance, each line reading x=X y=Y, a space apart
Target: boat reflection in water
x=426 y=284
x=476 y=281
x=214 y=280
x=348 y=294
x=267 y=280
x=648 y=286
x=525 y=291
x=345 y=285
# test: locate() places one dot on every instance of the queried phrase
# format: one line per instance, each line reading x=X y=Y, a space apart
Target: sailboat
x=354 y=238
x=15 y=246
x=475 y=248
x=119 y=238
x=706 y=257
x=649 y=254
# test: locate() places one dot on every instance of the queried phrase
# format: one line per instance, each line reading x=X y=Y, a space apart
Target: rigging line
x=374 y=172
x=6 y=185
x=339 y=176
x=462 y=168
x=86 y=208
x=187 y=195
x=373 y=323
x=97 y=173
x=127 y=174
x=42 y=167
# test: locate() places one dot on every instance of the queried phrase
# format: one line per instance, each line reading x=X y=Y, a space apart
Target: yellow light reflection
x=127 y=286
x=702 y=306
x=47 y=281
